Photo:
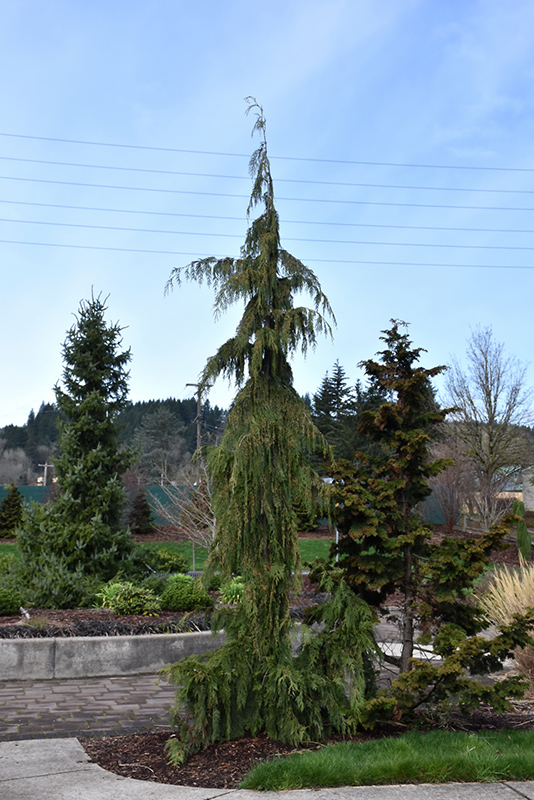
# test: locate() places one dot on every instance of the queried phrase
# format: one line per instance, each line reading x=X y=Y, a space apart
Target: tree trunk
x=407 y=620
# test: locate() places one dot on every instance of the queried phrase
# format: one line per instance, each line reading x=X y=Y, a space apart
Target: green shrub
x=183 y=593
x=10 y=601
x=156 y=583
x=146 y=560
x=54 y=585
x=107 y=594
x=212 y=582
x=7 y=562
x=232 y=590
x=170 y=561
x=131 y=599
x=143 y=561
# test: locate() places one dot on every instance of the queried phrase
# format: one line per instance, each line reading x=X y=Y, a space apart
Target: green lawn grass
x=185 y=549
x=314 y=548
x=309 y=549
x=434 y=757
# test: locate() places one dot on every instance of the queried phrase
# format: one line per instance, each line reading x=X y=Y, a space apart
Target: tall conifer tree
x=385 y=547
x=259 y=474
x=80 y=534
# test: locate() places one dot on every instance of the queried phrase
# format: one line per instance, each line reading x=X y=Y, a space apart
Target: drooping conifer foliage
x=80 y=534
x=259 y=474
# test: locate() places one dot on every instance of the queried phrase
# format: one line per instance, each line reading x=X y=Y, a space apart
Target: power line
x=142 y=211
x=114 y=249
x=278 y=180
x=317 y=260
x=246 y=197
x=287 y=238
x=127 y=188
x=286 y=221
x=284 y=158
x=131 y=230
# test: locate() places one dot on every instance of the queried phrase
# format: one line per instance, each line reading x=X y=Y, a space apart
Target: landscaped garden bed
x=44 y=623
x=224 y=765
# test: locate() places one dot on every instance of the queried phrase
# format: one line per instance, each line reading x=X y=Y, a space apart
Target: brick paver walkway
x=83 y=707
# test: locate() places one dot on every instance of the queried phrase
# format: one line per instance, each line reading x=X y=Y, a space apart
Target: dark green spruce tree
x=337 y=410
x=140 y=519
x=385 y=546
x=334 y=412
x=80 y=534
x=258 y=474
x=10 y=512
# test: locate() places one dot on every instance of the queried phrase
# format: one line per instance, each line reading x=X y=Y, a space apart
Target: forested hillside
x=164 y=430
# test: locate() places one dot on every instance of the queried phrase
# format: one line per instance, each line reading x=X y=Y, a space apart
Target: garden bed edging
x=97 y=656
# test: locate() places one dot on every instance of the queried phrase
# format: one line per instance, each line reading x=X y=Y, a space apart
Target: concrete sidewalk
x=59 y=769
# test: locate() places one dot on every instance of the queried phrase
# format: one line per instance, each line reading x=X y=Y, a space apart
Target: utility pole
x=198 y=421
x=46 y=468
x=199 y=445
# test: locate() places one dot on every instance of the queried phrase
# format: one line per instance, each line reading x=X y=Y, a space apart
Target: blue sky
x=350 y=89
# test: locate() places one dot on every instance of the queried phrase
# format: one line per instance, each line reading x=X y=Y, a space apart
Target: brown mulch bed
x=45 y=623
x=143 y=756
x=224 y=765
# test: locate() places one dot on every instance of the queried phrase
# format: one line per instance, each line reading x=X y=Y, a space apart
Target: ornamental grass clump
x=511 y=593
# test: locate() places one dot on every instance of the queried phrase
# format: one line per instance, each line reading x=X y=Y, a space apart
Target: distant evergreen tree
x=140 y=520
x=14 y=436
x=337 y=410
x=184 y=413
x=162 y=446
x=334 y=411
x=10 y=512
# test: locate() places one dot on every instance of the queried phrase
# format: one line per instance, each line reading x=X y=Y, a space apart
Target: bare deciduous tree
x=492 y=402
x=452 y=489
x=188 y=507
x=15 y=466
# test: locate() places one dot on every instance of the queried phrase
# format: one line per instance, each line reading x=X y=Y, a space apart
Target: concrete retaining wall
x=93 y=656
